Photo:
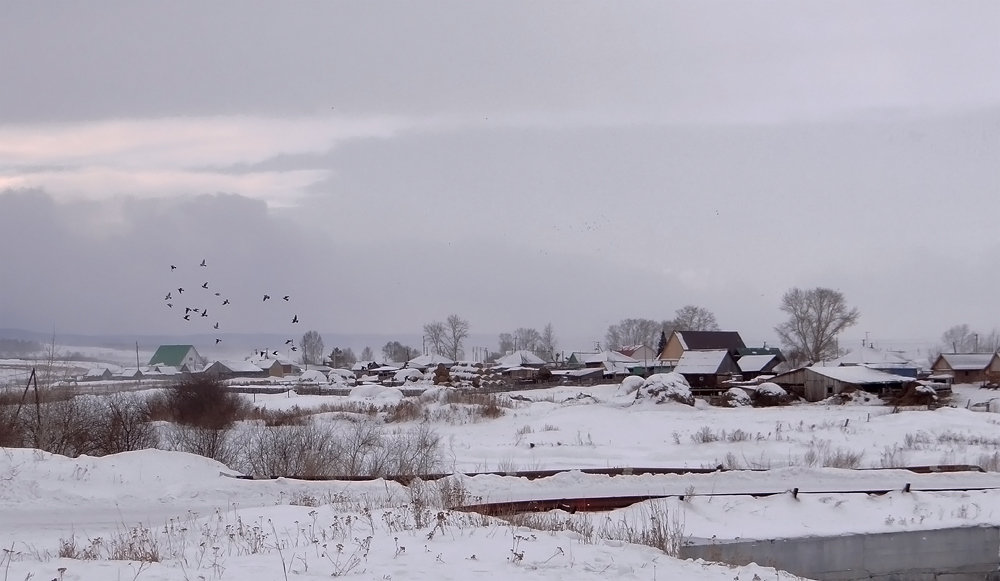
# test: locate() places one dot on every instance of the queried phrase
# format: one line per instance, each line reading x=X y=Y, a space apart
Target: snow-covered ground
x=200 y=522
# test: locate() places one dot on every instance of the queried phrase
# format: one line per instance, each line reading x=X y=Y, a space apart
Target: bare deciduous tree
x=456 y=332
x=633 y=332
x=506 y=343
x=526 y=338
x=547 y=344
x=312 y=348
x=396 y=351
x=695 y=318
x=434 y=337
x=815 y=317
x=367 y=354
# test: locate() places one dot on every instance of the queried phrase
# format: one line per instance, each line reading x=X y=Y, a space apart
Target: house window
x=829 y=390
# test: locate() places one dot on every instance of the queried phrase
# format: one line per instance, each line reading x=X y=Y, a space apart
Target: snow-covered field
x=168 y=515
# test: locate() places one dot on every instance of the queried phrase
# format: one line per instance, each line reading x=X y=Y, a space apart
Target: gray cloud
x=517 y=163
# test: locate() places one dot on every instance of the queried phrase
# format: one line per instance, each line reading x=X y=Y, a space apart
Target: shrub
x=203 y=401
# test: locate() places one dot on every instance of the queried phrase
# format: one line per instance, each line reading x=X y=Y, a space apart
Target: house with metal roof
x=707 y=369
x=753 y=366
x=968 y=367
x=228 y=369
x=183 y=357
x=680 y=342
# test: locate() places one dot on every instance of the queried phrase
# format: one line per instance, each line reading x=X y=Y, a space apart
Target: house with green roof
x=183 y=357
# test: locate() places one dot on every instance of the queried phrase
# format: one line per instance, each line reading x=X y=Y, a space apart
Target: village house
x=968 y=367
x=183 y=357
x=707 y=369
x=681 y=341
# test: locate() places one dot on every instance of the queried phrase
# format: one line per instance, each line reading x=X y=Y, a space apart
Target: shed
x=753 y=366
x=520 y=358
x=816 y=383
x=228 y=369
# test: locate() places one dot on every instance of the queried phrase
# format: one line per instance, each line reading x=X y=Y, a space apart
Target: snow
x=211 y=525
x=519 y=359
x=312 y=376
x=738 y=397
x=859 y=375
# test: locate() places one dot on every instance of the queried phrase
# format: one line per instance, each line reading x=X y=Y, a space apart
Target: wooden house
x=707 y=369
x=681 y=341
x=968 y=367
x=183 y=357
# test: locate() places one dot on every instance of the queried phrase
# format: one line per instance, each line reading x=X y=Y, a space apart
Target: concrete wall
x=959 y=554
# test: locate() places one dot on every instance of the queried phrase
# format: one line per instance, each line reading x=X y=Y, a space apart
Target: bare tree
x=526 y=338
x=434 y=337
x=695 y=318
x=396 y=351
x=367 y=354
x=342 y=358
x=547 y=344
x=815 y=317
x=312 y=348
x=506 y=342
x=456 y=332
x=960 y=339
x=633 y=332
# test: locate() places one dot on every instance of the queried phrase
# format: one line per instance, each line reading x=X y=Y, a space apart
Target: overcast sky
x=516 y=163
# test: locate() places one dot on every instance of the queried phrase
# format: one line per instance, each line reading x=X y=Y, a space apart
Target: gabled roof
x=967 y=361
x=608 y=356
x=701 y=362
x=172 y=355
x=238 y=366
x=756 y=363
x=871 y=356
x=858 y=375
x=630 y=350
x=704 y=340
x=759 y=351
x=519 y=359
x=432 y=359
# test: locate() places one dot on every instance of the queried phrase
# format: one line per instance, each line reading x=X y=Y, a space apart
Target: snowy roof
x=520 y=358
x=870 y=356
x=701 y=362
x=239 y=366
x=429 y=360
x=857 y=374
x=967 y=361
x=752 y=363
x=609 y=356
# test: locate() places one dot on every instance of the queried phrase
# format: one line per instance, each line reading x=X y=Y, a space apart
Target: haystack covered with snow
x=770 y=394
x=665 y=387
x=631 y=384
x=312 y=376
x=736 y=397
x=407 y=375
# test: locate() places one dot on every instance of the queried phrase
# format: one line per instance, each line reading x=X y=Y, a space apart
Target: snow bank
x=312 y=376
x=665 y=387
x=374 y=391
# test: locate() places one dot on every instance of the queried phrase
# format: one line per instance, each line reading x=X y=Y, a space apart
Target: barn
x=817 y=383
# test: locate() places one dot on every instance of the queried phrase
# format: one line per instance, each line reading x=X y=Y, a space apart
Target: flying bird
x=275 y=353
x=167 y=298
x=187 y=310
x=295 y=319
x=285 y=297
x=217 y=341
x=204 y=313
x=288 y=341
x=187 y=317
x=196 y=310
x=205 y=285
x=295 y=348
x=171 y=305
x=203 y=262
x=267 y=297
x=180 y=291
x=172 y=267
x=218 y=294
x=225 y=302
x=216 y=325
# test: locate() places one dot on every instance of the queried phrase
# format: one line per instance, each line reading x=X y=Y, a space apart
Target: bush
x=770 y=394
x=666 y=387
x=202 y=401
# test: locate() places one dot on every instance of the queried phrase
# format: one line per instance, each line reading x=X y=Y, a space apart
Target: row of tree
x=816 y=317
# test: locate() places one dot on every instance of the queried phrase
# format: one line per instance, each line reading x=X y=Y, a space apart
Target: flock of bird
x=196 y=306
